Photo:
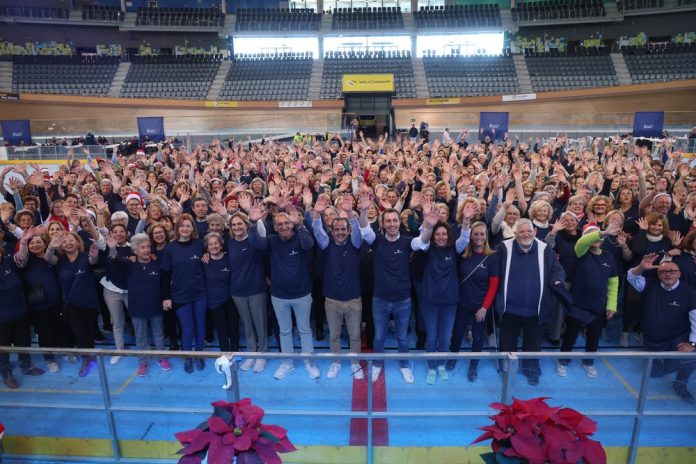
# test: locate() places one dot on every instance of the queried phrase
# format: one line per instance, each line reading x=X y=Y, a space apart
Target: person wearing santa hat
x=134 y=207
x=595 y=288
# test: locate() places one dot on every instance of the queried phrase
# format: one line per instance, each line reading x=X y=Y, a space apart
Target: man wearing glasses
x=668 y=320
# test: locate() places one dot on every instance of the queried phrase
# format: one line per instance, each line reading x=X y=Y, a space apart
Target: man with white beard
x=528 y=272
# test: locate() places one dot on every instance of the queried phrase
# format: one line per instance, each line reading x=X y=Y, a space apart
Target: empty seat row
x=102 y=13
x=34 y=12
x=483 y=15
x=192 y=17
x=564 y=9
x=344 y=19
x=277 y=19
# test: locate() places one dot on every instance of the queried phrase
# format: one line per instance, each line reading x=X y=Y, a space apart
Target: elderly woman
x=143 y=279
x=540 y=213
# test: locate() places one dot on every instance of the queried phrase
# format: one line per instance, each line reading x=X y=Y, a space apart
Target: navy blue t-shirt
x=391 y=268
x=218 y=275
x=39 y=271
x=589 y=287
x=113 y=274
x=144 y=283
x=478 y=268
x=341 y=271
x=440 y=280
x=523 y=286
x=77 y=282
x=12 y=304
x=248 y=271
x=183 y=260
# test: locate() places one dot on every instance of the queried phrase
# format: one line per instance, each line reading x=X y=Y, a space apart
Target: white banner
x=520 y=97
x=295 y=104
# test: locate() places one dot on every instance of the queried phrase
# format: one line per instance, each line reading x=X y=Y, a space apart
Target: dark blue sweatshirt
x=248 y=271
x=391 y=268
x=12 y=304
x=218 y=274
x=589 y=284
x=341 y=271
x=440 y=279
x=114 y=274
x=478 y=268
x=144 y=282
x=183 y=261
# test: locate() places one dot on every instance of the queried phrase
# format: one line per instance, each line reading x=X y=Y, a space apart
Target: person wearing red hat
x=595 y=289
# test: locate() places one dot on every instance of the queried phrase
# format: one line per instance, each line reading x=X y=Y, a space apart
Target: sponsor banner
x=16 y=131
x=295 y=104
x=443 y=101
x=493 y=125
x=221 y=104
x=519 y=97
x=9 y=96
x=152 y=128
x=648 y=123
x=368 y=83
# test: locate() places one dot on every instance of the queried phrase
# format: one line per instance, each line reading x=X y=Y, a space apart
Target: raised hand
x=364 y=200
x=613 y=228
x=468 y=212
x=431 y=214
x=244 y=200
x=294 y=215
x=642 y=224
x=321 y=205
x=15 y=184
x=676 y=237
x=110 y=240
x=256 y=211
x=648 y=262
x=416 y=200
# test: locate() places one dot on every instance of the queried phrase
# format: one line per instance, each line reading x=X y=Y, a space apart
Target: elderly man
x=668 y=319
x=528 y=271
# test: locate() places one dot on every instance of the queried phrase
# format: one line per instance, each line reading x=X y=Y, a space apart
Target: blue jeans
x=439 y=322
x=141 y=333
x=283 y=311
x=401 y=312
x=192 y=319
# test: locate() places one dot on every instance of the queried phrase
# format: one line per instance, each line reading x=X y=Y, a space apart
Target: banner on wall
x=493 y=125
x=648 y=123
x=367 y=83
x=152 y=128
x=16 y=131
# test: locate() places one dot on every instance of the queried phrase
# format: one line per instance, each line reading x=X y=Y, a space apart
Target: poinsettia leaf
x=593 y=452
x=268 y=454
x=223 y=414
x=277 y=431
x=285 y=446
x=200 y=442
x=218 y=425
x=527 y=446
x=498 y=406
x=270 y=436
x=501 y=458
x=194 y=459
x=249 y=457
x=187 y=436
x=489 y=458
x=215 y=450
x=483 y=437
x=243 y=442
x=221 y=404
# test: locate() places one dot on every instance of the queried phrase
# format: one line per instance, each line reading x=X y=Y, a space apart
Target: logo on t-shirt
x=80 y=271
x=674 y=303
x=605 y=264
x=398 y=252
x=153 y=273
x=448 y=258
x=195 y=257
x=224 y=269
x=293 y=253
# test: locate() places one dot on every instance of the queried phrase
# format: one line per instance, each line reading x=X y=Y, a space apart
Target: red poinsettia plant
x=234 y=430
x=2 y=430
x=533 y=432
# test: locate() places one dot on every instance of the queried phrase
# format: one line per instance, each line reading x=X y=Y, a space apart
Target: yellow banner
x=221 y=104
x=368 y=83
x=443 y=101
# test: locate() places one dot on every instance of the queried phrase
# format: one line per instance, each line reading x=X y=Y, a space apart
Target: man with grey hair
x=528 y=270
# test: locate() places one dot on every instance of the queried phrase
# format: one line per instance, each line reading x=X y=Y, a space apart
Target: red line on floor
x=358 y=427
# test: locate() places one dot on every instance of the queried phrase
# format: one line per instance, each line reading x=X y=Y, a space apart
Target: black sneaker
x=533 y=379
x=472 y=374
x=554 y=342
x=450 y=364
x=682 y=392
x=320 y=334
x=200 y=364
x=188 y=366
x=99 y=337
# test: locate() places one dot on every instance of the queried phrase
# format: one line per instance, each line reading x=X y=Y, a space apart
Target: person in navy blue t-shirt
x=291 y=287
x=218 y=272
x=183 y=286
x=77 y=285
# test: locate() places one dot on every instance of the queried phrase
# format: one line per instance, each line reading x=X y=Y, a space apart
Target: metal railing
x=509 y=364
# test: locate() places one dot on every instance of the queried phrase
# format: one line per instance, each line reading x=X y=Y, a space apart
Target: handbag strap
x=472 y=272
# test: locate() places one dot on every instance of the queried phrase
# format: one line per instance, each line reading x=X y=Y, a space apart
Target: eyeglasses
x=668 y=271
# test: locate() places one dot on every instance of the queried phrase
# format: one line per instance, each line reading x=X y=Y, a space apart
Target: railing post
x=509 y=365
x=233 y=391
x=107 y=408
x=368 y=378
x=640 y=408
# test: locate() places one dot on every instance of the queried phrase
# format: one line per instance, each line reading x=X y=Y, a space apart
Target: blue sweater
x=38 y=271
x=289 y=262
x=473 y=291
x=183 y=261
x=440 y=280
x=665 y=315
x=248 y=271
x=341 y=271
x=114 y=274
x=590 y=282
x=391 y=268
x=218 y=274
x=523 y=283
x=12 y=304
x=77 y=282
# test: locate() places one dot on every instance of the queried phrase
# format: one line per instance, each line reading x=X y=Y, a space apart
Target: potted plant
x=234 y=434
x=533 y=432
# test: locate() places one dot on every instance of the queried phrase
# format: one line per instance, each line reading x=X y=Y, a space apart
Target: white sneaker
x=357 y=371
x=115 y=360
x=492 y=341
x=623 y=340
x=561 y=370
x=246 y=365
x=333 y=370
x=407 y=374
x=260 y=365
x=283 y=370
x=53 y=367
x=591 y=371
x=313 y=370
x=375 y=373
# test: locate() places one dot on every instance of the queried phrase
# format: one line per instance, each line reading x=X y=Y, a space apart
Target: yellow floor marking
x=48 y=390
x=126 y=383
x=620 y=378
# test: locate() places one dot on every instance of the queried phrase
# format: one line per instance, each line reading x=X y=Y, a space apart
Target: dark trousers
x=510 y=327
x=631 y=309
x=318 y=313
x=52 y=329
x=368 y=319
x=478 y=331
x=14 y=333
x=226 y=320
x=172 y=329
x=593 y=330
x=83 y=322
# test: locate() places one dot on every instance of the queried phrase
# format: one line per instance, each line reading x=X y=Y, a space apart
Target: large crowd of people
x=486 y=240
